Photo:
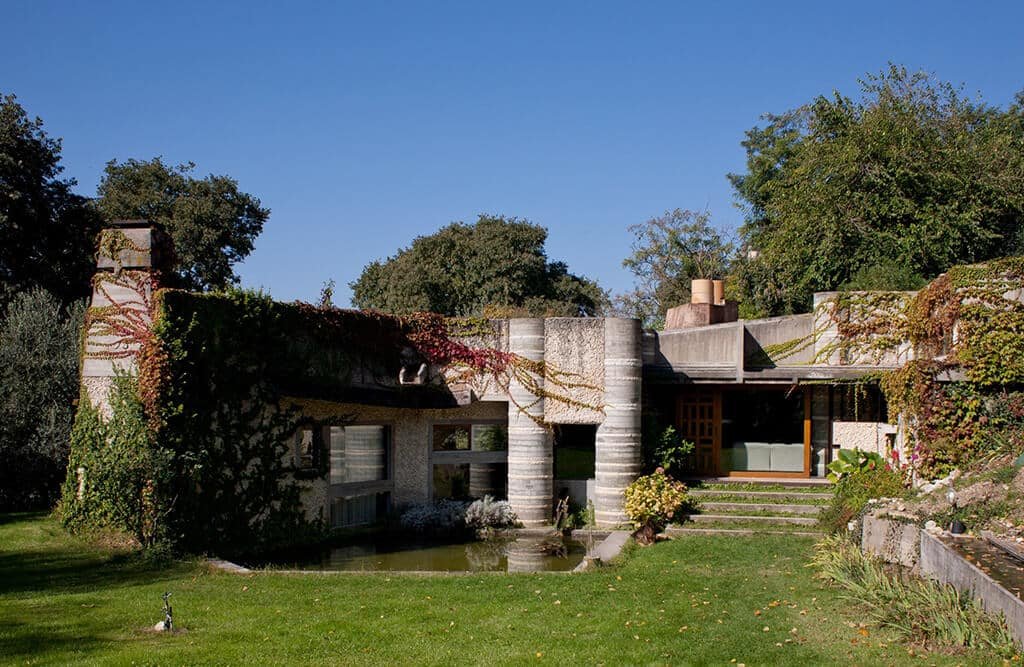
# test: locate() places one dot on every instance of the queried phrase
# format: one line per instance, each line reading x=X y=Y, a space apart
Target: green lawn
x=694 y=600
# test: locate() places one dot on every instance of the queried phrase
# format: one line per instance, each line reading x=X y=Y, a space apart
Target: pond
x=387 y=552
x=993 y=561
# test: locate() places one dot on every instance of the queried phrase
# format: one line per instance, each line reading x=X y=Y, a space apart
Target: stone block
x=893 y=539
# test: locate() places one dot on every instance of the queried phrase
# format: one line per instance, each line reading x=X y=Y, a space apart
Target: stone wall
x=576 y=346
x=866 y=436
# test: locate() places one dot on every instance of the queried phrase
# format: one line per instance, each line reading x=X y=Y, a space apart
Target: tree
x=212 y=223
x=47 y=232
x=496 y=263
x=39 y=343
x=910 y=175
x=668 y=252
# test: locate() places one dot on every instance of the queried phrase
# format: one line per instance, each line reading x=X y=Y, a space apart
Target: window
x=307 y=448
x=360 y=473
x=358 y=453
x=469 y=460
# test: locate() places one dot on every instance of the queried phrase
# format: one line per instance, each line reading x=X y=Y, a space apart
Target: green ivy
x=114 y=469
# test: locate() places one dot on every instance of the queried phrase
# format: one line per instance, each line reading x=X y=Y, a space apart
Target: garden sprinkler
x=168 y=612
x=956 y=526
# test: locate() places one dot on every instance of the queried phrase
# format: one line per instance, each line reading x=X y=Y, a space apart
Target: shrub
x=39 y=344
x=445 y=515
x=917 y=609
x=852 y=461
x=654 y=500
x=853 y=491
x=490 y=513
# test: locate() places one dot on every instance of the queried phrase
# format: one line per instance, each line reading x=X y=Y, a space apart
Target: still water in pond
x=388 y=553
x=994 y=562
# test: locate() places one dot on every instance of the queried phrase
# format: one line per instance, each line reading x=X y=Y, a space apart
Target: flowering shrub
x=445 y=515
x=454 y=516
x=654 y=500
x=490 y=513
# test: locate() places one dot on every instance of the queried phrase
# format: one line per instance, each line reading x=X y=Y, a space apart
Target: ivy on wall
x=967 y=332
x=115 y=469
x=197 y=451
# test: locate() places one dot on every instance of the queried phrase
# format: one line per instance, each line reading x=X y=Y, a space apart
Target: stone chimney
x=132 y=256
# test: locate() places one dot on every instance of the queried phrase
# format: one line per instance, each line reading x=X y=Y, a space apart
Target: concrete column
x=530 y=454
x=618 y=456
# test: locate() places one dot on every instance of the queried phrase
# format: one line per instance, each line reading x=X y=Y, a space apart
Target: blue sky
x=365 y=125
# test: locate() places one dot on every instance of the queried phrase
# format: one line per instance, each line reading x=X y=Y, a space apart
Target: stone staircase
x=748 y=507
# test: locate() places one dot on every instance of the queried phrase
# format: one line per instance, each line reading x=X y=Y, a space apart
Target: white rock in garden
x=160 y=627
x=931 y=526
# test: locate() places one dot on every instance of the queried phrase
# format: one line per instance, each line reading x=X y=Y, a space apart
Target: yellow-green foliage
x=655 y=499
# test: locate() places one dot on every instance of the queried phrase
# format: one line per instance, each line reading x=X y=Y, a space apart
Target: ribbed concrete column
x=527 y=554
x=618 y=457
x=530 y=455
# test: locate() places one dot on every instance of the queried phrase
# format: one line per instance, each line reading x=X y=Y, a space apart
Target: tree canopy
x=882 y=191
x=668 y=252
x=39 y=344
x=496 y=263
x=46 y=230
x=212 y=223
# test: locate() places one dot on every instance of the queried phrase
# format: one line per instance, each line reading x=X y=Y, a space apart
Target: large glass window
x=358 y=453
x=470 y=460
x=360 y=474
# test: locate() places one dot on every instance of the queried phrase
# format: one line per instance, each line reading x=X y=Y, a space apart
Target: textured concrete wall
x=866 y=436
x=618 y=457
x=715 y=345
x=779 y=331
x=893 y=539
x=576 y=346
x=530 y=453
x=827 y=330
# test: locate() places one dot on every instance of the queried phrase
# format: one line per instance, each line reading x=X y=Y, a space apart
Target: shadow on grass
x=16 y=517
x=36 y=556
x=21 y=642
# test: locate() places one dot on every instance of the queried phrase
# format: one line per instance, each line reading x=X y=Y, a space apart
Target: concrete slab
x=940 y=562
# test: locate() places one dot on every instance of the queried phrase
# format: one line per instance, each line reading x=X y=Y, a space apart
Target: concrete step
x=712 y=507
x=808 y=483
x=738 y=532
x=758 y=496
x=765 y=520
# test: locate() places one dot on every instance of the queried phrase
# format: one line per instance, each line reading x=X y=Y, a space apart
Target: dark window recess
x=575 y=448
x=762 y=416
x=858 y=403
x=308 y=447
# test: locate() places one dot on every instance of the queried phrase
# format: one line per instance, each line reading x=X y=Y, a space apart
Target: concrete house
x=760 y=399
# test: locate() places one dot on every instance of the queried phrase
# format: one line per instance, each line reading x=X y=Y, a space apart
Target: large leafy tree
x=668 y=252
x=881 y=191
x=497 y=263
x=47 y=232
x=212 y=223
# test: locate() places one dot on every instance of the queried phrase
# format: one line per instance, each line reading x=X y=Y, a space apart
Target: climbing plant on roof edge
x=216 y=375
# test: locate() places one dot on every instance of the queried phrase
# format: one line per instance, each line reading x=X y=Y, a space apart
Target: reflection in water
x=497 y=554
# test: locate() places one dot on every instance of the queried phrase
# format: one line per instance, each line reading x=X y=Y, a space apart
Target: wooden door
x=699 y=419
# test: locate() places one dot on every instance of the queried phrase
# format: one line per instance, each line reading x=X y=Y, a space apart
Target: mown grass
x=694 y=600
